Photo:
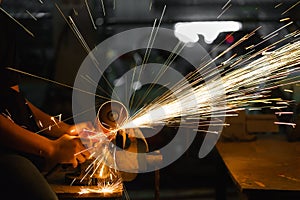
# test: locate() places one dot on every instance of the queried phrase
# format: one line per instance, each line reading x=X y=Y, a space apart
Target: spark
x=41 y=1
x=80 y=152
x=284 y=113
x=116 y=187
x=284 y=19
x=226 y=4
x=149 y=47
x=31 y=15
x=287 y=90
x=8 y=115
x=8 y=112
x=74 y=29
x=29 y=32
x=73 y=181
x=55 y=82
x=278 y=5
x=114 y=6
x=150 y=5
x=206 y=99
x=52 y=119
x=103 y=7
x=75 y=11
x=282 y=27
x=224 y=11
x=90 y=14
x=84 y=44
x=286 y=123
x=290 y=8
x=41 y=124
x=265 y=39
x=147 y=55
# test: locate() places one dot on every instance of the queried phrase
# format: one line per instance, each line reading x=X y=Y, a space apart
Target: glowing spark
x=157 y=28
x=40 y=123
x=284 y=113
x=75 y=12
x=278 y=5
x=114 y=6
x=150 y=5
x=103 y=8
x=290 y=8
x=115 y=187
x=277 y=30
x=226 y=4
x=206 y=99
x=29 y=32
x=286 y=123
x=284 y=19
x=90 y=14
x=149 y=46
x=80 y=152
x=205 y=131
x=59 y=117
x=41 y=1
x=278 y=107
x=249 y=47
x=265 y=39
x=74 y=29
x=229 y=59
x=250 y=109
x=8 y=116
x=73 y=181
x=287 y=90
x=223 y=11
x=52 y=118
x=31 y=15
x=55 y=82
x=83 y=43
x=8 y=112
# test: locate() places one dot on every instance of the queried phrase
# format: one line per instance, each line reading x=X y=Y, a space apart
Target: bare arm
x=61 y=150
x=15 y=137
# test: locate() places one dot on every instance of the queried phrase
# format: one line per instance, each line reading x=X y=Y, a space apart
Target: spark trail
x=218 y=95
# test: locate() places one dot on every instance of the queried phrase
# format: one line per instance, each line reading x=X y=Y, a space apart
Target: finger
x=86 y=154
x=74 y=137
x=80 y=158
x=74 y=163
x=72 y=131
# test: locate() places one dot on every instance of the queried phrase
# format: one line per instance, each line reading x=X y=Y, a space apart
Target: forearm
x=17 y=138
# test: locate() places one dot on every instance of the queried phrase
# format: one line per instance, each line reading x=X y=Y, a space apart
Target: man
x=23 y=152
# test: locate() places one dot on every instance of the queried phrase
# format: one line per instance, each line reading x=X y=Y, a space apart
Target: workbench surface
x=269 y=166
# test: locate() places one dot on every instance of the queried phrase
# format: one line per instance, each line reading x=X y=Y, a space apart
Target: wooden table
x=268 y=168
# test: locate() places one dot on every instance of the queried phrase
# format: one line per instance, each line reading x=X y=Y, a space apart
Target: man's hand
x=68 y=150
x=76 y=129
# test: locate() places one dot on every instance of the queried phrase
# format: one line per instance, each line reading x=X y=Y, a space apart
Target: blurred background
x=55 y=53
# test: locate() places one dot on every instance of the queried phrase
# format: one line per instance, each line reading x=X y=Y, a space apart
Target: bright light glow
x=188 y=32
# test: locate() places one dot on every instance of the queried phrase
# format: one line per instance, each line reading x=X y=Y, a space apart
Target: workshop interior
x=256 y=153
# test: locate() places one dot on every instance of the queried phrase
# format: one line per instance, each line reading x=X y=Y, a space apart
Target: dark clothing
x=14 y=107
x=20 y=178
x=8 y=53
x=13 y=104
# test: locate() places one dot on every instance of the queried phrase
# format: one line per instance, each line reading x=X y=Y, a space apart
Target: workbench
x=267 y=168
x=65 y=191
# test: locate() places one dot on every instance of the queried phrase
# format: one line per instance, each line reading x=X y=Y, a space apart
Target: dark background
x=55 y=53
